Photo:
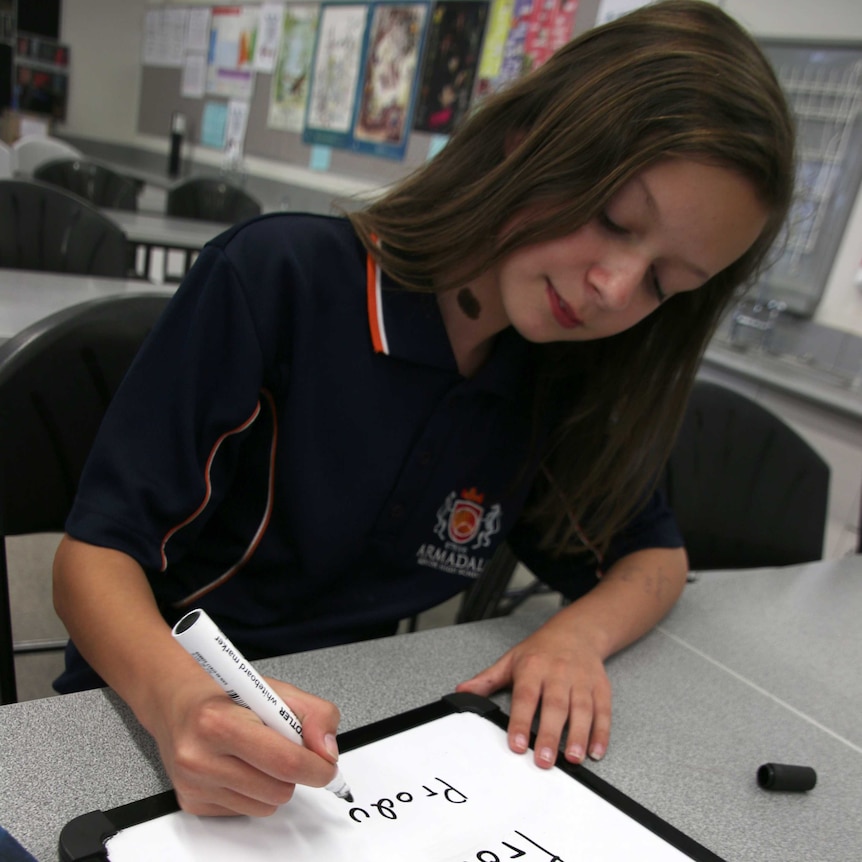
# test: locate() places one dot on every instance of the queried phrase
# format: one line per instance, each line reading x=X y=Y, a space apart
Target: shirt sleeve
x=654 y=526
x=166 y=448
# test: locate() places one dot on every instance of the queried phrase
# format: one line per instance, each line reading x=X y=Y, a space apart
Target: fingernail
x=597 y=752
x=520 y=742
x=331 y=745
x=576 y=753
x=546 y=755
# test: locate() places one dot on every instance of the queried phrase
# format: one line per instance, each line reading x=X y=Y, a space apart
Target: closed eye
x=610 y=225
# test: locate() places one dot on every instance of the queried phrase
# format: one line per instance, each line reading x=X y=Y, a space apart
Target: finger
x=601 y=730
x=581 y=711
x=590 y=723
x=268 y=752
x=555 y=711
x=212 y=776
x=525 y=701
x=223 y=802
x=240 y=752
x=493 y=678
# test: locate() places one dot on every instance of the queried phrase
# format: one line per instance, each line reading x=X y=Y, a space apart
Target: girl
x=337 y=421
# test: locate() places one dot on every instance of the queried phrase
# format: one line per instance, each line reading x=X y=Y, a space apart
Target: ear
x=514 y=138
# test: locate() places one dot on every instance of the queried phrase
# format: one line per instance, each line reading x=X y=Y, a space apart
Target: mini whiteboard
x=437 y=784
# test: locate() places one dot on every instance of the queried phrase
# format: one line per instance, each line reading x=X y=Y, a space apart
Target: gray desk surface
x=26 y=296
x=749 y=667
x=169 y=231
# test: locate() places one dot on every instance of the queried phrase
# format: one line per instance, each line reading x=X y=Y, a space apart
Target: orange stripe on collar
x=375 y=307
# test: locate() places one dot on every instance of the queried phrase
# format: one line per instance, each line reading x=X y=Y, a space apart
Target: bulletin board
x=435 y=784
x=271 y=130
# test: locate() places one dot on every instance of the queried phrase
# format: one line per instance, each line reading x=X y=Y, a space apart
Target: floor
x=34 y=621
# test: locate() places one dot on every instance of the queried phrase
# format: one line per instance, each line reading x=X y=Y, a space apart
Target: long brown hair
x=676 y=78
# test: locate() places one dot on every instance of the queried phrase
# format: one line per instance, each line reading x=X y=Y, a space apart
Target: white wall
x=105 y=40
x=826 y=19
x=105 y=56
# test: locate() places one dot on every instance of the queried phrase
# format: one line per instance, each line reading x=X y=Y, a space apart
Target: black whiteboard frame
x=83 y=838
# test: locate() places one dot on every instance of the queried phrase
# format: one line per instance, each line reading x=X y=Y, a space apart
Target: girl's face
x=667 y=231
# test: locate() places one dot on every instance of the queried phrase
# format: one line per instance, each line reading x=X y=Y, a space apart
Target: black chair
x=46 y=228
x=747 y=492
x=746 y=489
x=211 y=199
x=56 y=380
x=97 y=183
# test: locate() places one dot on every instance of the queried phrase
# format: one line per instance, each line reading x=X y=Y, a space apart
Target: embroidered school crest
x=463 y=525
x=463 y=519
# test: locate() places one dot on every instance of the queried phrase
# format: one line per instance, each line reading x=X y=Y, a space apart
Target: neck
x=472 y=322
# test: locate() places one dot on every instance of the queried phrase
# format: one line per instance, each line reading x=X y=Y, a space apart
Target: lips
x=563 y=314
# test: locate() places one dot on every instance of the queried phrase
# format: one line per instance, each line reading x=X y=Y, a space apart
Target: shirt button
x=425 y=457
x=397 y=511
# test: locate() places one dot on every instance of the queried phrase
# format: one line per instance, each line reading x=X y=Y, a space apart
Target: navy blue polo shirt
x=295 y=451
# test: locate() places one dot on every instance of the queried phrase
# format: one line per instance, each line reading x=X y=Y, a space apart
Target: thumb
x=493 y=678
x=319 y=719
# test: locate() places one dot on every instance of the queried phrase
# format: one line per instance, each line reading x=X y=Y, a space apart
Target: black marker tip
x=348 y=797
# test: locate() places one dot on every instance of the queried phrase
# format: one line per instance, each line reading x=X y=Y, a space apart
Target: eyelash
x=656 y=286
x=610 y=225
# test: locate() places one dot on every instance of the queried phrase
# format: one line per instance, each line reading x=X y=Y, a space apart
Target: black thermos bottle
x=178 y=129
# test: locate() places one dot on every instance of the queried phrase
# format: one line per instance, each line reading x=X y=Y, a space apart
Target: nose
x=617 y=280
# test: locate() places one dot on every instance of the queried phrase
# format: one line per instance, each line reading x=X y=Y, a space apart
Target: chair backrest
x=211 y=199
x=92 y=181
x=6 y=161
x=30 y=151
x=46 y=228
x=57 y=378
x=746 y=489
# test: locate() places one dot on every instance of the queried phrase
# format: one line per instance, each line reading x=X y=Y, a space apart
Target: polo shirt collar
x=408 y=325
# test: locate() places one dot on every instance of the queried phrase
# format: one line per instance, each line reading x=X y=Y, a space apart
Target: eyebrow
x=653 y=208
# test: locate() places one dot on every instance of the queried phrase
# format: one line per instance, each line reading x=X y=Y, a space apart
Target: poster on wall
x=335 y=75
x=496 y=33
x=198 y=30
x=537 y=29
x=195 y=48
x=389 y=81
x=194 y=78
x=269 y=28
x=233 y=31
x=235 y=129
x=290 y=79
x=214 y=125
x=449 y=69
x=164 y=37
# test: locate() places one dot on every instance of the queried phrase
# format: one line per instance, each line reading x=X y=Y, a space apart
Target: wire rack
x=823 y=84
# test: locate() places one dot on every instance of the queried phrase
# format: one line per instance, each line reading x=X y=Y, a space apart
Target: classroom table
x=750 y=667
x=150 y=231
x=27 y=296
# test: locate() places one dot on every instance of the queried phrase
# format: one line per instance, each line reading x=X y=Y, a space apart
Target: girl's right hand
x=223 y=760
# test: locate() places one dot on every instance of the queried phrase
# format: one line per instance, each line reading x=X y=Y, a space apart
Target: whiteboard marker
x=206 y=643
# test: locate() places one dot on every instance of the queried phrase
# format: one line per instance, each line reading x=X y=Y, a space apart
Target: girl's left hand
x=561 y=665
x=566 y=675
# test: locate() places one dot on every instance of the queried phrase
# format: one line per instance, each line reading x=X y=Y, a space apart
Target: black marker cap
x=783 y=776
